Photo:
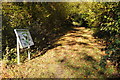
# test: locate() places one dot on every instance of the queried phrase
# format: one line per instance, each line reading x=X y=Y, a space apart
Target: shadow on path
x=76 y=54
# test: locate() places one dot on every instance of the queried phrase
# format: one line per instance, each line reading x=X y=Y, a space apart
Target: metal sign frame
x=24 y=40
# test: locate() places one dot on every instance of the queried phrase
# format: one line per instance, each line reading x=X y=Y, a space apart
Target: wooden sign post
x=24 y=40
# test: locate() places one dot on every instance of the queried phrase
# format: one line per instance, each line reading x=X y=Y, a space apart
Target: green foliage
x=111 y=25
x=105 y=17
x=112 y=53
x=79 y=18
x=44 y=20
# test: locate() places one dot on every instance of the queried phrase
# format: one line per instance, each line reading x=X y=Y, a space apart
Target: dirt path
x=77 y=56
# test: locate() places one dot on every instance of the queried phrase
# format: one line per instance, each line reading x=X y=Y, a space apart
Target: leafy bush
x=112 y=53
x=111 y=24
x=80 y=19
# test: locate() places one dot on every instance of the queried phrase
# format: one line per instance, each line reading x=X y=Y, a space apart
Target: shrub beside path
x=77 y=56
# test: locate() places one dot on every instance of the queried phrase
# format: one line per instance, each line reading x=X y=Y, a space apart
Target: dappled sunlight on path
x=77 y=56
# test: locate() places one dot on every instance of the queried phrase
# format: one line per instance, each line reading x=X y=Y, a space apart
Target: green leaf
x=107 y=52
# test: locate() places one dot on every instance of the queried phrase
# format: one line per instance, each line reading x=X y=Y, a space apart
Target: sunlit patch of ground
x=78 y=56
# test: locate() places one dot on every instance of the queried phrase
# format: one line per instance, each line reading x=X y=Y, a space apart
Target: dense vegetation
x=105 y=19
x=46 y=21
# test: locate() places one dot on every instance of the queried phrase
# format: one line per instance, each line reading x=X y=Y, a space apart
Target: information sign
x=24 y=38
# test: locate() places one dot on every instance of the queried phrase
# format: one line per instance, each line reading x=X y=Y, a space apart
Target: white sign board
x=24 y=38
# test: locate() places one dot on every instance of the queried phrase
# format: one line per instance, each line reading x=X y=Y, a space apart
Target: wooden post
x=18 y=52
x=28 y=52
